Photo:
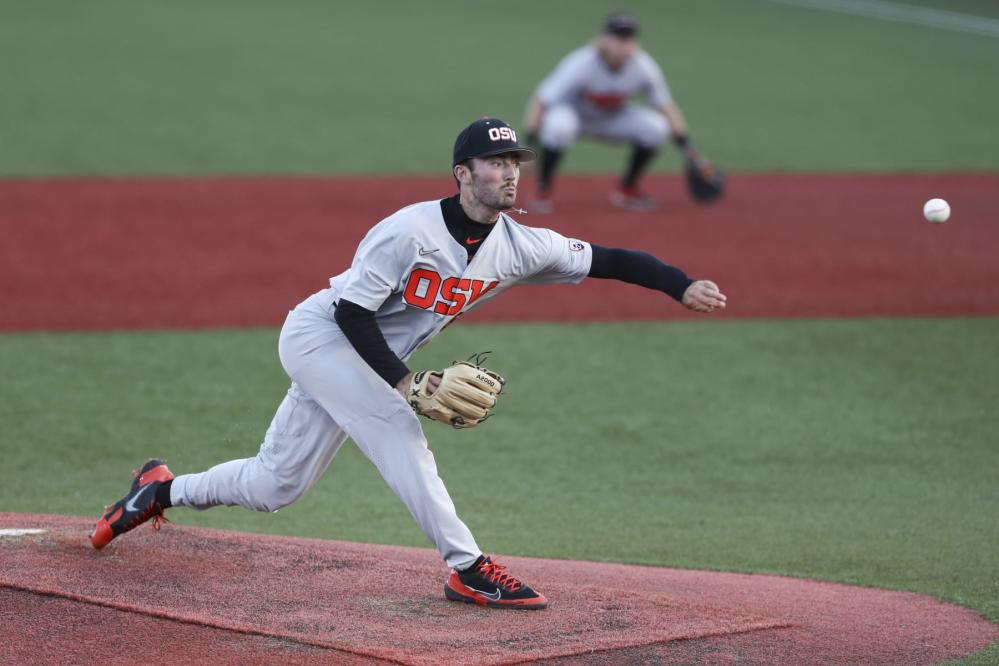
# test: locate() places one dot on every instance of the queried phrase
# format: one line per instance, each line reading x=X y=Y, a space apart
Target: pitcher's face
x=494 y=180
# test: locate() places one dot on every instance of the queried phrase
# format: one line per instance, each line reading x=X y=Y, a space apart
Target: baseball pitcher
x=345 y=350
x=590 y=93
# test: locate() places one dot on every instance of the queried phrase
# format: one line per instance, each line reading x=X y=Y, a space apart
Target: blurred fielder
x=590 y=94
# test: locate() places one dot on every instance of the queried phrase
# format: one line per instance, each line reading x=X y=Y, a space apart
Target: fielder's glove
x=705 y=181
x=466 y=393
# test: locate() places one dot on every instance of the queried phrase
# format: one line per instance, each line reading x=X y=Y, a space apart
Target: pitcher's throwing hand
x=704 y=296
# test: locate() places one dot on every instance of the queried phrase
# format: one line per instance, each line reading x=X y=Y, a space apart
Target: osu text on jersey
x=426 y=289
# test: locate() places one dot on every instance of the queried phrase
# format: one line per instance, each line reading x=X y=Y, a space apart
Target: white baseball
x=936 y=211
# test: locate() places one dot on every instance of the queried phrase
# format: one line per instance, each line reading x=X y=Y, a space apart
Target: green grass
x=861 y=451
x=116 y=87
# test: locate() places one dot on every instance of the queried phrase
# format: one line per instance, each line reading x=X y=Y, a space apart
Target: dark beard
x=496 y=202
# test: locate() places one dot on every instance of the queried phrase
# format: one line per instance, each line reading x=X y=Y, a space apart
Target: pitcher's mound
x=188 y=593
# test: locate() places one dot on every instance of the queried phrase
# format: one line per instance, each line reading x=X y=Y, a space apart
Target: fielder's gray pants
x=562 y=124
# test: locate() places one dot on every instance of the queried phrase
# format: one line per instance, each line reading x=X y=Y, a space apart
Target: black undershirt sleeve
x=361 y=330
x=639 y=268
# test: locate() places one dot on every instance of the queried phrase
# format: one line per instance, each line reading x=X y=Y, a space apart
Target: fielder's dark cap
x=486 y=137
x=621 y=25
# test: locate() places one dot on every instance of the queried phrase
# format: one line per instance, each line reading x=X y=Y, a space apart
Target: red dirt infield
x=193 y=595
x=241 y=252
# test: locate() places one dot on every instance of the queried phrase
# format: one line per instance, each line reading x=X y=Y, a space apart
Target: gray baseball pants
x=562 y=124
x=334 y=394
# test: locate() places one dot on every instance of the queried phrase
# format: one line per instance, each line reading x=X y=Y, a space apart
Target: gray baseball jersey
x=412 y=273
x=584 y=80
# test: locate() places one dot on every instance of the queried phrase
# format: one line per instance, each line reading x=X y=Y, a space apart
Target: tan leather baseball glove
x=464 y=398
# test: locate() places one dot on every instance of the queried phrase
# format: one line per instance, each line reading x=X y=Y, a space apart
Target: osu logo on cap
x=502 y=134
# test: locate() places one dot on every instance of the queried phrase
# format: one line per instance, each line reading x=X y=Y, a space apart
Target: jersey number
x=447 y=296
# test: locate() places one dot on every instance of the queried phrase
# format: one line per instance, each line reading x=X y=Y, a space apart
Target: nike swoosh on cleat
x=130 y=504
x=495 y=596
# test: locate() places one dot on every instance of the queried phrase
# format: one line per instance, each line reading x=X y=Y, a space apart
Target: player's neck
x=476 y=210
x=608 y=63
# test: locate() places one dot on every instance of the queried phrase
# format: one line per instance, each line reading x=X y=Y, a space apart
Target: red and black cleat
x=632 y=198
x=487 y=583
x=135 y=508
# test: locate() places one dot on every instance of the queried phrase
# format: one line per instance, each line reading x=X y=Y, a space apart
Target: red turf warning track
x=236 y=252
x=197 y=594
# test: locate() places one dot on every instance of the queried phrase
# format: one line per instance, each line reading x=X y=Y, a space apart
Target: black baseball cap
x=488 y=136
x=621 y=25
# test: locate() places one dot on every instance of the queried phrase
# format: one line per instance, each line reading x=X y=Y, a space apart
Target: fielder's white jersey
x=416 y=277
x=584 y=80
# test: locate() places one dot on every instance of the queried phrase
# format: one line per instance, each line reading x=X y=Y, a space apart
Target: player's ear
x=461 y=173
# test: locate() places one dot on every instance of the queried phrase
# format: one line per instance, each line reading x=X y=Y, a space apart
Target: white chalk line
x=899 y=13
x=20 y=531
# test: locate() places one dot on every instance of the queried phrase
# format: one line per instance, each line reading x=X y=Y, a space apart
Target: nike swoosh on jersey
x=130 y=504
x=424 y=252
x=494 y=596
x=472 y=241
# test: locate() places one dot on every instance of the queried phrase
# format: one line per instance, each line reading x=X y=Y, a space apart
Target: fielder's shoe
x=541 y=204
x=135 y=508
x=631 y=198
x=487 y=583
